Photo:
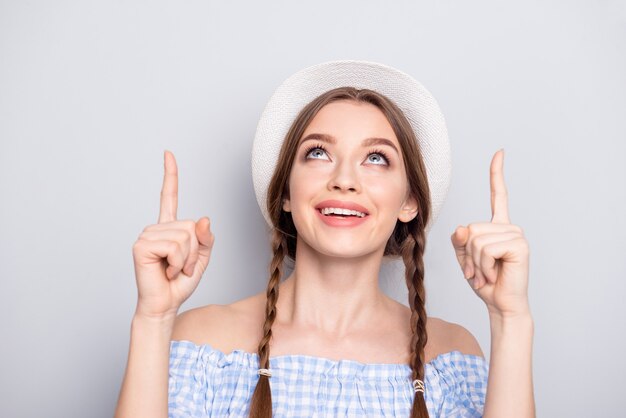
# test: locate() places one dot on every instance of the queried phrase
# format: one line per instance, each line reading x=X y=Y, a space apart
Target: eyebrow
x=366 y=142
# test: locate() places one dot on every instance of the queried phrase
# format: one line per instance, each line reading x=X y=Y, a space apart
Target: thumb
x=205 y=239
x=459 y=239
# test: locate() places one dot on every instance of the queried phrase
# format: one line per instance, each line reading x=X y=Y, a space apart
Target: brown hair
x=408 y=239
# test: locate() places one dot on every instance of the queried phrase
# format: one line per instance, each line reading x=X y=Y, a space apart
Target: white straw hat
x=418 y=105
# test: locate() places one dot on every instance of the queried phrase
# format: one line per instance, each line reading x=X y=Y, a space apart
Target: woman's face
x=337 y=160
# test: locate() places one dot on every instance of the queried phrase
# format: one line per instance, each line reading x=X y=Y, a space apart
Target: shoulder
x=443 y=336
x=448 y=336
x=214 y=325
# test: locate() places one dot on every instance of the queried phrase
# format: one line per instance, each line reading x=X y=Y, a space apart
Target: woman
x=350 y=186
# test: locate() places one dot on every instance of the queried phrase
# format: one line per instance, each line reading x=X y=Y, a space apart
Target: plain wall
x=91 y=93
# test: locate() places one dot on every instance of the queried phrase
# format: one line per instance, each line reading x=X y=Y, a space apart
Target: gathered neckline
x=290 y=357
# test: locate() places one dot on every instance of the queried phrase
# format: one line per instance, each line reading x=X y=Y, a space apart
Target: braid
x=407 y=240
x=261 y=403
x=412 y=252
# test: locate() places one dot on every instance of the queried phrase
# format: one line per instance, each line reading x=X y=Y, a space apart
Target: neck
x=333 y=295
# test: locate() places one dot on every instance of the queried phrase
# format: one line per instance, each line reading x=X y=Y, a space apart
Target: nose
x=344 y=178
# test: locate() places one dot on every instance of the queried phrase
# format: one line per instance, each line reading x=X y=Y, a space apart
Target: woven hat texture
x=418 y=105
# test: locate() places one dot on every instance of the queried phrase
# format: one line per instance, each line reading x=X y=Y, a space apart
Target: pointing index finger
x=169 y=192
x=499 y=196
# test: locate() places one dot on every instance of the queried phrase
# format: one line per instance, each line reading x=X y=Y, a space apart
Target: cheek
x=303 y=180
x=387 y=193
x=303 y=188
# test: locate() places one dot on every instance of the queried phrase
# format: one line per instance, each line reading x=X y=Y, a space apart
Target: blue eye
x=380 y=156
x=318 y=150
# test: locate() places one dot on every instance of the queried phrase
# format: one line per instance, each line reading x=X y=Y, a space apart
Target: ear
x=409 y=210
x=286 y=205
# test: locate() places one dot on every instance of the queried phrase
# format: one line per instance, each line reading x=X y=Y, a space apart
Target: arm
x=494 y=257
x=510 y=386
x=145 y=386
x=170 y=258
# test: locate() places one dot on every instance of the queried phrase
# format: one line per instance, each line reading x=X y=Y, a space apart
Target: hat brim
x=418 y=105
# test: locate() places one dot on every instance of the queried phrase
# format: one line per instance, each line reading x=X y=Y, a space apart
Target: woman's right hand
x=170 y=256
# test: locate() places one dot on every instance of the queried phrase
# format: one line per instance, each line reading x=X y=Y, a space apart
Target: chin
x=342 y=249
x=340 y=244
x=344 y=254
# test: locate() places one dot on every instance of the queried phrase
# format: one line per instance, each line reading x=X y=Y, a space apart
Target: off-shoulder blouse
x=205 y=382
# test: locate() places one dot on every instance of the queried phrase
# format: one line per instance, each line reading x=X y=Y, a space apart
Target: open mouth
x=350 y=214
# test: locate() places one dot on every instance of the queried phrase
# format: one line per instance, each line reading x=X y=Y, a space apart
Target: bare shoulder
x=223 y=327
x=448 y=336
x=443 y=336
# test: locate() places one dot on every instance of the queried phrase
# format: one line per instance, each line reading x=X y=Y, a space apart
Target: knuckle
x=188 y=224
x=137 y=246
x=476 y=245
x=480 y=243
x=174 y=247
x=175 y=263
x=524 y=244
x=148 y=228
x=193 y=241
x=185 y=236
x=186 y=249
x=179 y=236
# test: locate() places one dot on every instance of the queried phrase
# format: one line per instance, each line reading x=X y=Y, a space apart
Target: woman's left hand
x=494 y=255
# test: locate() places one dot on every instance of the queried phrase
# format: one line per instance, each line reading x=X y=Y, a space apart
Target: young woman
x=355 y=180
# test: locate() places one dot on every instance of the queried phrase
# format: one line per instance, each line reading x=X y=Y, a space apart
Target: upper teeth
x=341 y=211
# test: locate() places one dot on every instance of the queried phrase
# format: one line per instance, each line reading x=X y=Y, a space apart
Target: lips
x=341 y=204
x=341 y=221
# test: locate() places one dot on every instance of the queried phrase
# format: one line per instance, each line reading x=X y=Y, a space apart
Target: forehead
x=347 y=119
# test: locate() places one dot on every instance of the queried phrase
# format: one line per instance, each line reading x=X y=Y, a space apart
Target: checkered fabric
x=205 y=382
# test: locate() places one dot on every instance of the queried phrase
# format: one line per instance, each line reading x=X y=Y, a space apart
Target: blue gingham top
x=205 y=382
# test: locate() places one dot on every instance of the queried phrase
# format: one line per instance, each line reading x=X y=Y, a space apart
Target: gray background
x=91 y=93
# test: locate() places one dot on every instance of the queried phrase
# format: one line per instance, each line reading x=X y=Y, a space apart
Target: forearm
x=145 y=386
x=510 y=385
